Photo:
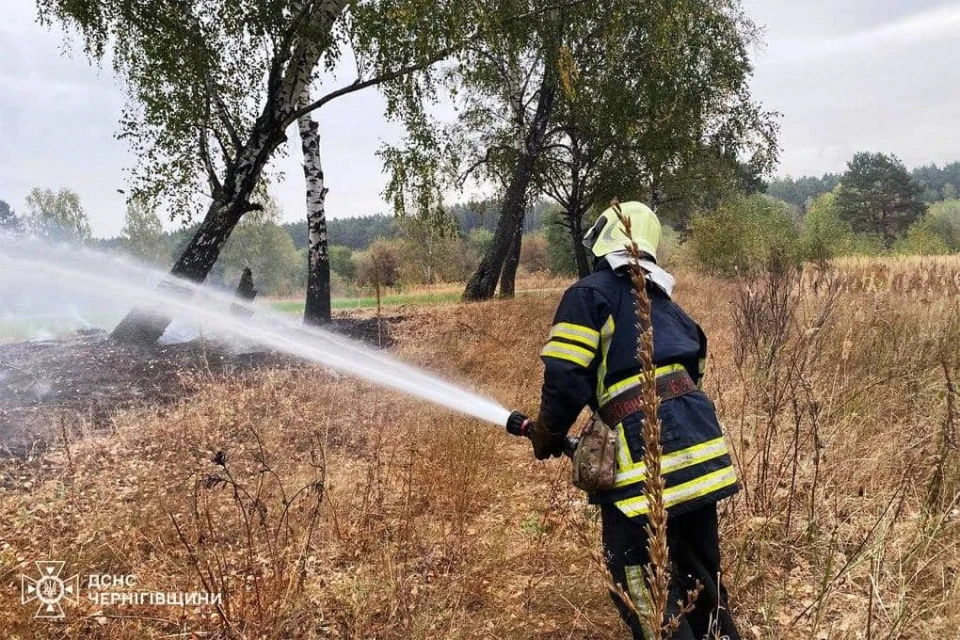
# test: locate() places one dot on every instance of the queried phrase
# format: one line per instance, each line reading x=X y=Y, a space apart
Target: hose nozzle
x=518 y=424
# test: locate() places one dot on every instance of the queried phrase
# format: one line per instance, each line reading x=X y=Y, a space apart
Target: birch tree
x=56 y=216
x=214 y=84
x=317 y=307
x=142 y=234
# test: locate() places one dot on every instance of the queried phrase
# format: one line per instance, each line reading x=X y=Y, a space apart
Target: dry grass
x=341 y=510
x=924 y=277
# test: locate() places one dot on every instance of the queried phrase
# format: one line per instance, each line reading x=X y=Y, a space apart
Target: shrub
x=379 y=266
x=479 y=240
x=944 y=220
x=533 y=253
x=342 y=262
x=922 y=239
x=744 y=233
x=824 y=235
x=560 y=258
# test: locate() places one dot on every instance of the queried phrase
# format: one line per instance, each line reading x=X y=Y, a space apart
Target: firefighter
x=590 y=360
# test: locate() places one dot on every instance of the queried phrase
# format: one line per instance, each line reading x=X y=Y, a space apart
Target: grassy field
x=443 y=297
x=324 y=507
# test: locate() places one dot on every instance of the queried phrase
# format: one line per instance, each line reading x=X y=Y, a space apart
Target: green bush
x=560 y=258
x=944 y=220
x=269 y=251
x=823 y=234
x=922 y=239
x=479 y=240
x=745 y=233
x=342 y=262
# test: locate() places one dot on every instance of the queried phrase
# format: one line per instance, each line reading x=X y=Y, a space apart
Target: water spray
x=30 y=266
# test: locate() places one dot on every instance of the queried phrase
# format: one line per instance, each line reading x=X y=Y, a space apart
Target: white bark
x=316 y=190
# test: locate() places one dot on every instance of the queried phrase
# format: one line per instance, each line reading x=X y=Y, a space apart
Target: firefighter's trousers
x=694 y=547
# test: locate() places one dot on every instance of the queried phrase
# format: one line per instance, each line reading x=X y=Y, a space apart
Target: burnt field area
x=58 y=389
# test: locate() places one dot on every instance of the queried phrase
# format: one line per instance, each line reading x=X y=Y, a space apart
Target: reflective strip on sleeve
x=606 y=337
x=568 y=352
x=674 y=461
x=702 y=486
x=576 y=333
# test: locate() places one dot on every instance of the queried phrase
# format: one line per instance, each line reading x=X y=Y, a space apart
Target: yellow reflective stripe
x=633 y=381
x=606 y=337
x=570 y=352
x=576 y=333
x=702 y=365
x=637 y=590
x=681 y=493
x=675 y=461
x=624 y=461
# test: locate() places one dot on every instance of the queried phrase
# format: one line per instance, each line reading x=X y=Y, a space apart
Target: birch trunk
x=317 y=307
x=241 y=176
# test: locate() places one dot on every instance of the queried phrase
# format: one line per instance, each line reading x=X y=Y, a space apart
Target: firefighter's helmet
x=607 y=234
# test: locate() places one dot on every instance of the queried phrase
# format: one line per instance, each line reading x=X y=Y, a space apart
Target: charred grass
x=319 y=506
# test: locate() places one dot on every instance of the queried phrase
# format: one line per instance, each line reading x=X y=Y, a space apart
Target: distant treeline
x=936 y=184
x=359 y=233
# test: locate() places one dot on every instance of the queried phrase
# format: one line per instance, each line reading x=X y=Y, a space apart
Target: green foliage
x=936 y=183
x=268 y=250
x=669 y=252
x=356 y=233
x=877 y=195
x=672 y=128
x=944 y=220
x=56 y=216
x=921 y=239
x=142 y=234
x=342 y=262
x=824 y=235
x=10 y=222
x=803 y=190
x=744 y=234
x=432 y=253
x=479 y=240
x=560 y=257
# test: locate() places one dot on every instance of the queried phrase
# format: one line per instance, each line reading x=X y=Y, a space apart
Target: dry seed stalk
x=658 y=570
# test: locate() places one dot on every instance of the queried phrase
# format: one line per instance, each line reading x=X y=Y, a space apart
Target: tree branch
x=225 y=119
x=359 y=84
x=215 y=185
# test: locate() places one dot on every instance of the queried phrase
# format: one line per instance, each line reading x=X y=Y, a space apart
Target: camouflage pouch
x=595 y=460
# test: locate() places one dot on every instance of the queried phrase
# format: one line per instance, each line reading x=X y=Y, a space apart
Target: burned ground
x=52 y=389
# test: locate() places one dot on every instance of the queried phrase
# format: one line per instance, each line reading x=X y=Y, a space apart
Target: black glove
x=546 y=443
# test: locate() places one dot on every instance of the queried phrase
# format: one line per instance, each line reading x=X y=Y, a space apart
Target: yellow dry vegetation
x=323 y=507
x=918 y=276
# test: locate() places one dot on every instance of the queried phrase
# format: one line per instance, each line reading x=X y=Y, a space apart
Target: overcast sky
x=877 y=75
